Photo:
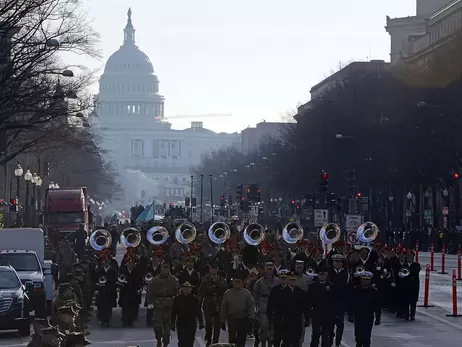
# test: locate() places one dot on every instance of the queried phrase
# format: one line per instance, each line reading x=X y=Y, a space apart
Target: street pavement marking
x=344 y=344
x=439 y=319
x=200 y=341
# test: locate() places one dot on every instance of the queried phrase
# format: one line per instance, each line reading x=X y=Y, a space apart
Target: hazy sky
x=254 y=59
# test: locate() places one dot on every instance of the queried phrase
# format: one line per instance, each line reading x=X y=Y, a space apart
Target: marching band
x=249 y=283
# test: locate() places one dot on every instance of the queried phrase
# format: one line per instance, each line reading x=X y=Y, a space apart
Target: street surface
x=431 y=328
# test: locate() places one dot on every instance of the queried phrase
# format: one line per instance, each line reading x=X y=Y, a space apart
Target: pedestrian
x=186 y=312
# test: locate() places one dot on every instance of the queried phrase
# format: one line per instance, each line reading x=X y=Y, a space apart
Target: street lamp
x=52 y=43
x=391 y=198
x=28 y=179
x=56 y=186
x=18 y=171
x=427 y=194
x=51 y=185
x=409 y=196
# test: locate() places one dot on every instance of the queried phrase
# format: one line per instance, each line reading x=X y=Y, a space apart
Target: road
x=431 y=328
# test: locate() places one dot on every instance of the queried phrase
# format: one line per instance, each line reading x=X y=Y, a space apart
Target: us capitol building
x=152 y=159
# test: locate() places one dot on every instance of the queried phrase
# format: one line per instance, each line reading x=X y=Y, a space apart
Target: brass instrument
x=254 y=234
x=292 y=233
x=386 y=274
x=367 y=232
x=130 y=237
x=404 y=272
x=157 y=235
x=148 y=277
x=100 y=239
x=310 y=271
x=330 y=233
x=360 y=269
x=186 y=233
x=219 y=232
x=102 y=280
x=122 y=278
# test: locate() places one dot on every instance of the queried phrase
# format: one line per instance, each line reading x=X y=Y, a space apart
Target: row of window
x=158 y=149
x=446 y=26
x=157 y=110
x=129 y=88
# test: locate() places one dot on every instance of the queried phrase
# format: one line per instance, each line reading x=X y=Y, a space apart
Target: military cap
x=366 y=275
x=77 y=338
x=321 y=269
x=67 y=309
x=337 y=257
x=186 y=285
x=260 y=266
x=213 y=265
x=299 y=262
x=64 y=285
x=291 y=276
x=269 y=264
x=283 y=273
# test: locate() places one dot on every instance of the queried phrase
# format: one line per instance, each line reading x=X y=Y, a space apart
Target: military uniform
x=210 y=295
x=161 y=291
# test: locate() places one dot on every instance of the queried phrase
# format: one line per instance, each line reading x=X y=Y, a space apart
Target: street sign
x=445 y=210
x=352 y=238
x=353 y=221
x=321 y=217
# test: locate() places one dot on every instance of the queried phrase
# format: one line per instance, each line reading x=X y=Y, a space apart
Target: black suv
x=14 y=302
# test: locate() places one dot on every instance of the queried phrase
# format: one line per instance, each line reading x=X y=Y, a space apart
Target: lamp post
x=408 y=211
x=18 y=171
x=211 y=195
x=202 y=195
x=38 y=203
x=191 y=194
x=27 y=178
x=32 y=201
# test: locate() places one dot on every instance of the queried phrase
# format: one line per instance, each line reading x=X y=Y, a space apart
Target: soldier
x=129 y=294
x=261 y=292
x=106 y=299
x=51 y=337
x=189 y=274
x=364 y=313
x=66 y=319
x=211 y=292
x=161 y=291
x=411 y=287
x=237 y=308
x=76 y=339
x=186 y=313
x=65 y=294
x=65 y=258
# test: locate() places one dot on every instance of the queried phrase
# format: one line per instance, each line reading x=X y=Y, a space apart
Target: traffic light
x=324 y=180
x=14 y=205
x=193 y=202
x=239 y=192
x=455 y=175
x=332 y=199
x=258 y=194
x=351 y=180
x=222 y=201
x=254 y=193
x=187 y=202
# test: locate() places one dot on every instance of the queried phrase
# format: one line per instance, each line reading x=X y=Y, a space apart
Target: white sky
x=256 y=59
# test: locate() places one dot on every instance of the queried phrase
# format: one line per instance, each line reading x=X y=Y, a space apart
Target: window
x=65 y=218
x=137 y=148
x=9 y=280
x=20 y=261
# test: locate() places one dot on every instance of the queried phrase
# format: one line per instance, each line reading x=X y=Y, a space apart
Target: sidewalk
x=440 y=294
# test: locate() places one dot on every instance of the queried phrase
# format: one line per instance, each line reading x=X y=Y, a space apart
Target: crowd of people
x=271 y=292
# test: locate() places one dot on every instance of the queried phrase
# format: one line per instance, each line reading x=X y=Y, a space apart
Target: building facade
x=151 y=158
x=252 y=137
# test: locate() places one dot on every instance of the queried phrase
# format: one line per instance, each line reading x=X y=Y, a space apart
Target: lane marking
x=344 y=344
x=423 y=312
x=200 y=341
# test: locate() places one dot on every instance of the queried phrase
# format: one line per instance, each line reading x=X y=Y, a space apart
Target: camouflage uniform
x=161 y=291
x=261 y=292
x=210 y=296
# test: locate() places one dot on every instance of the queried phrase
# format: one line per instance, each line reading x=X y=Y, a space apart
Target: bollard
x=432 y=257
x=417 y=251
x=454 y=296
x=459 y=265
x=427 y=288
x=443 y=261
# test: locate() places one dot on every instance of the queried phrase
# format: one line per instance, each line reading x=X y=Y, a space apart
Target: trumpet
x=130 y=237
x=330 y=233
x=157 y=235
x=254 y=234
x=186 y=233
x=404 y=272
x=367 y=232
x=122 y=278
x=386 y=274
x=292 y=233
x=148 y=277
x=359 y=269
x=219 y=232
x=102 y=280
x=100 y=239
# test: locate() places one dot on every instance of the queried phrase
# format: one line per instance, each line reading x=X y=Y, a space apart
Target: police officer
x=211 y=292
x=186 y=312
x=161 y=291
x=364 y=313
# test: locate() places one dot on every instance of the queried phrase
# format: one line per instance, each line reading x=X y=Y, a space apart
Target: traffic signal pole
x=190 y=201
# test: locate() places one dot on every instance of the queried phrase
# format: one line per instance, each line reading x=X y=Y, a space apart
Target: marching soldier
x=161 y=291
x=273 y=309
x=364 y=314
x=65 y=294
x=130 y=282
x=322 y=310
x=211 y=292
x=303 y=282
x=261 y=292
x=186 y=313
x=106 y=299
x=237 y=309
x=152 y=268
x=411 y=287
x=340 y=278
x=189 y=274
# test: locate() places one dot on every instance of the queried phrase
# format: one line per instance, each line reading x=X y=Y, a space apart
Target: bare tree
x=32 y=92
